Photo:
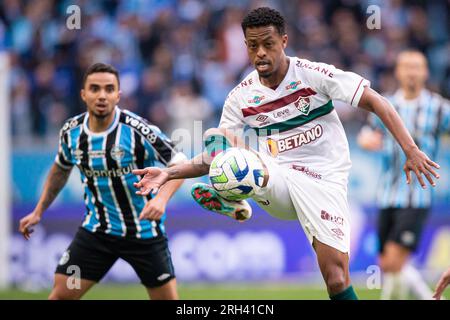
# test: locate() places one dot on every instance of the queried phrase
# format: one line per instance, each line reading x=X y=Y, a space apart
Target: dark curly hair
x=101 y=67
x=262 y=17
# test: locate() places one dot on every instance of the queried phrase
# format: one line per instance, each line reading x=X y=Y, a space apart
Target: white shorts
x=321 y=208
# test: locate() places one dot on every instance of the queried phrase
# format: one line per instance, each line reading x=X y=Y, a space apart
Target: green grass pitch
x=205 y=292
x=199 y=292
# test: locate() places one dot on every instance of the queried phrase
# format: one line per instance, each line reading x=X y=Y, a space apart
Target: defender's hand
x=443 y=282
x=371 y=140
x=154 y=209
x=26 y=224
x=153 y=179
x=419 y=163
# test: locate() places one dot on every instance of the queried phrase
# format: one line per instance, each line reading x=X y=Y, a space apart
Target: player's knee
x=61 y=294
x=57 y=295
x=335 y=279
x=336 y=284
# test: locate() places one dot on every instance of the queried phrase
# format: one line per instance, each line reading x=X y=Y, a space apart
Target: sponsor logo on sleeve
x=70 y=125
x=143 y=128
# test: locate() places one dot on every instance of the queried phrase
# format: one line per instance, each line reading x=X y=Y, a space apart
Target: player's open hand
x=154 y=209
x=26 y=224
x=420 y=164
x=443 y=282
x=153 y=179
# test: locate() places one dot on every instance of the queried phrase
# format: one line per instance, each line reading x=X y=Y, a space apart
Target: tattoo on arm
x=56 y=180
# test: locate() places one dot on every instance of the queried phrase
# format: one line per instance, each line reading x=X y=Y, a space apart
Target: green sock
x=347 y=294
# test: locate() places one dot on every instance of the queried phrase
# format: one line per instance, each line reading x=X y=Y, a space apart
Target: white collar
x=106 y=132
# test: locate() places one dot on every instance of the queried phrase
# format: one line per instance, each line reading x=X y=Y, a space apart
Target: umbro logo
x=261 y=118
x=163 y=277
x=338 y=233
x=78 y=154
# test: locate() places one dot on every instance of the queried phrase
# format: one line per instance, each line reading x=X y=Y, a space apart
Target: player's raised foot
x=207 y=197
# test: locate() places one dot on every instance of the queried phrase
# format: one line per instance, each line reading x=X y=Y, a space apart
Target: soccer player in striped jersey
x=302 y=144
x=106 y=143
x=404 y=208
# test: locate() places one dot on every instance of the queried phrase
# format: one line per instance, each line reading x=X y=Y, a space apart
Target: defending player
x=288 y=102
x=405 y=208
x=106 y=143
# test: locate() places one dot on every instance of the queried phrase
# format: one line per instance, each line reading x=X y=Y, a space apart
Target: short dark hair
x=262 y=17
x=101 y=67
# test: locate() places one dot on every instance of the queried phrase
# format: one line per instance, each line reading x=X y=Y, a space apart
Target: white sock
x=393 y=287
x=416 y=283
x=388 y=286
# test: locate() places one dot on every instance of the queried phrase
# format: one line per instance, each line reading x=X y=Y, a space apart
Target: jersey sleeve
x=64 y=157
x=340 y=85
x=164 y=148
x=232 y=117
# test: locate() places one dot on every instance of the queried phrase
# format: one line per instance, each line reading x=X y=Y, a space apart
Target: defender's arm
x=417 y=161
x=56 y=180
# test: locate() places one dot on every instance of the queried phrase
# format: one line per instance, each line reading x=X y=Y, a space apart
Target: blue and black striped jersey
x=105 y=161
x=426 y=118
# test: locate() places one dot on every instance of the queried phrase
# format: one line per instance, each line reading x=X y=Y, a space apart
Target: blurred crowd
x=178 y=59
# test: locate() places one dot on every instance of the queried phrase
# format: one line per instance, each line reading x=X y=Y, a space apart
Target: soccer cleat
x=207 y=197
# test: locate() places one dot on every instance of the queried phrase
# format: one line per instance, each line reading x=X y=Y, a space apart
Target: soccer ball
x=236 y=174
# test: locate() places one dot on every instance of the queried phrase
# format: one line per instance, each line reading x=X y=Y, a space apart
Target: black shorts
x=95 y=254
x=401 y=225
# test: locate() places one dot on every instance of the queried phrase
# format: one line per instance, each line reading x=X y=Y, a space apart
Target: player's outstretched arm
x=154 y=178
x=56 y=180
x=155 y=208
x=416 y=160
x=443 y=282
x=217 y=139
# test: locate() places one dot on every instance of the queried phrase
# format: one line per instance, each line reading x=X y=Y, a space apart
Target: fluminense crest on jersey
x=296 y=123
x=302 y=105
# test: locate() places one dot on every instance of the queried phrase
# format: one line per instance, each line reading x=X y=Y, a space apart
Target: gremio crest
x=117 y=153
x=302 y=105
